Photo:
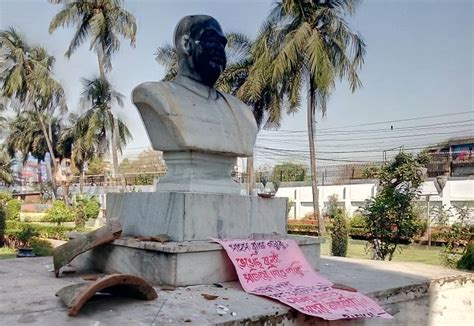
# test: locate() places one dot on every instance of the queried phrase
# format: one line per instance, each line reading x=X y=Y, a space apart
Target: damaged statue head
x=200 y=130
x=200 y=45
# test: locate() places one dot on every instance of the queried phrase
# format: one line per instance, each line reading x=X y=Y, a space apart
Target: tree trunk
x=81 y=180
x=51 y=152
x=250 y=175
x=113 y=143
x=101 y=63
x=312 y=157
x=38 y=172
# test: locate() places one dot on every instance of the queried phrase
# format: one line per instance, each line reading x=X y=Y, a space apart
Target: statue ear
x=186 y=44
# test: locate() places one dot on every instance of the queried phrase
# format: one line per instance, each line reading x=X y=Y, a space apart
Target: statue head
x=200 y=45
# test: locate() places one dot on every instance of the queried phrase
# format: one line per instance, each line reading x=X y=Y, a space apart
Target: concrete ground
x=415 y=294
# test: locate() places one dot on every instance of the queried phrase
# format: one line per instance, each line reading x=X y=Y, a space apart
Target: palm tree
x=94 y=125
x=27 y=138
x=73 y=141
x=309 y=47
x=26 y=76
x=5 y=167
x=103 y=21
x=3 y=107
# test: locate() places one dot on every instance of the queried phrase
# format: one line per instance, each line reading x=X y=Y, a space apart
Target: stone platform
x=189 y=219
x=415 y=294
x=189 y=216
x=175 y=263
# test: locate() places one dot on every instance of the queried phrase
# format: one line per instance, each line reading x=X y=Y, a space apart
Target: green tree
x=97 y=122
x=73 y=140
x=391 y=216
x=103 y=21
x=144 y=169
x=27 y=138
x=26 y=76
x=308 y=46
x=3 y=219
x=458 y=237
x=96 y=166
x=6 y=175
x=288 y=171
x=59 y=213
x=148 y=161
x=339 y=233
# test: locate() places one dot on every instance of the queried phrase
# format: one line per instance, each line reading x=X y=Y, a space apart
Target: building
x=457 y=192
x=454 y=157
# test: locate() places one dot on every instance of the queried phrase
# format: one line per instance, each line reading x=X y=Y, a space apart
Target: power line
x=463 y=123
x=389 y=121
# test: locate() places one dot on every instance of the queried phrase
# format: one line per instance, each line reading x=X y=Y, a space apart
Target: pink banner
x=279 y=270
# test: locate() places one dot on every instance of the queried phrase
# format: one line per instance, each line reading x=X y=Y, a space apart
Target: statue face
x=208 y=52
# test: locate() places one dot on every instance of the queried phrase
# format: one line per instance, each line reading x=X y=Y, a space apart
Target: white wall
x=352 y=196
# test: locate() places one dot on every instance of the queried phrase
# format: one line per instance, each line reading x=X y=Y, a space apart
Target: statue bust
x=200 y=130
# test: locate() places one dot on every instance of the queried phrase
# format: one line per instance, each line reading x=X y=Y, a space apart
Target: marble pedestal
x=194 y=171
x=190 y=219
x=175 y=263
x=191 y=216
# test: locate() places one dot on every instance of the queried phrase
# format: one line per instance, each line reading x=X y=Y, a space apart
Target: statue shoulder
x=153 y=95
x=243 y=109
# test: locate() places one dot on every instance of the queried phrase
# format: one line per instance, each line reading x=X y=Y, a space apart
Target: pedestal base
x=175 y=263
x=187 y=216
x=194 y=171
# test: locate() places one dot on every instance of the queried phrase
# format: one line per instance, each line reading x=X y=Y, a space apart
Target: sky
x=418 y=68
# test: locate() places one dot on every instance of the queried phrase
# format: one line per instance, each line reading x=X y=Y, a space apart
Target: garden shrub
x=5 y=196
x=81 y=216
x=391 y=216
x=3 y=217
x=467 y=259
x=339 y=233
x=458 y=238
x=357 y=221
x=41 y=247
x=358 y=233
x=43 y=231
x=59 y=213
x=27 y=232
x=91 y=206
x=302 y=229
x=13 y=209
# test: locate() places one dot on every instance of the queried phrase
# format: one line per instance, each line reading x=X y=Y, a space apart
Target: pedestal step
x=175 y=263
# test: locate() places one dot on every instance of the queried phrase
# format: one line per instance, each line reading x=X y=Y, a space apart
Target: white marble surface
x=197 y=216
x=180 y=116
x=201 y=132
x=175 y=263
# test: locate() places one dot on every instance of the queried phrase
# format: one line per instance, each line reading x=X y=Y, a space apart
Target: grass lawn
x=413 y=253
x=7 y=252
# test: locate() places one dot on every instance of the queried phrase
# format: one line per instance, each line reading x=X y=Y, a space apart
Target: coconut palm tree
x=27 y=138
x=73 y=141
x=3 y=107
x=6 y=175
x=26 y=77
x=94 y=125
x=103 y=21
x=309 y=47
